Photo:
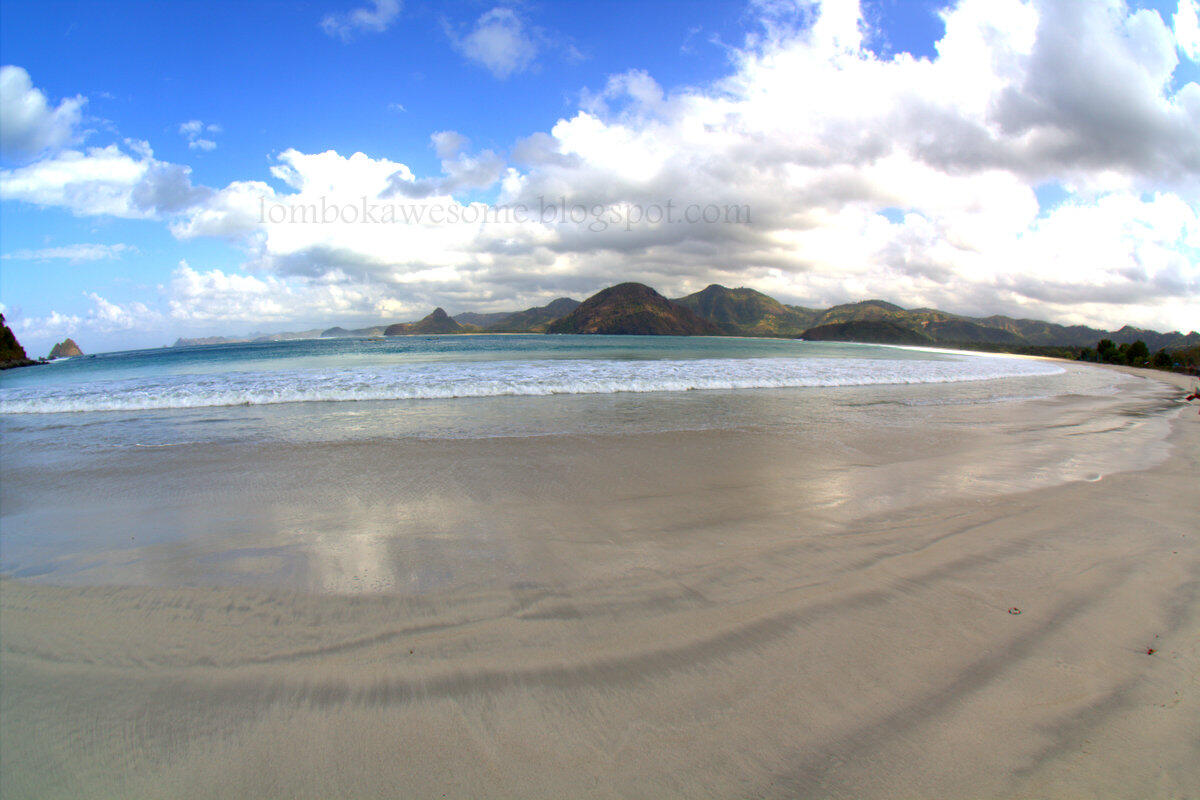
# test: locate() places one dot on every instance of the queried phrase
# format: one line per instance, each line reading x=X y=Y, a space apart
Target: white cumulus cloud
x=127 y=183
x=29 y=123
x=1187 y=29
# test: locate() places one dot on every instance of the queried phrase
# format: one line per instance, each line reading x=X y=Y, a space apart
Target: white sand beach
x=714 y=613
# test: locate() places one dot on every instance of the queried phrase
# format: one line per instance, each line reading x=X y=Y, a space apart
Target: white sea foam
x=499 y=378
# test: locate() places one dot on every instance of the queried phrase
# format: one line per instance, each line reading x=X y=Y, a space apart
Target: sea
x=424 y=385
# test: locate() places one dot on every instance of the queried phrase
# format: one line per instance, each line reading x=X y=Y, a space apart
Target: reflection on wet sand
x=817 y=610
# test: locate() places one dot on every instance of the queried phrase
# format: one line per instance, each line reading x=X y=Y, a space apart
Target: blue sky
x=260 y=80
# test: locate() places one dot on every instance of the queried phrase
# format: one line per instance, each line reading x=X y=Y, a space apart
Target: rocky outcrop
x=65 y=349
x=12 y=354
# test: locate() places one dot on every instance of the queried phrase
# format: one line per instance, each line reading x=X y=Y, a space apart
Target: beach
x=905 y=596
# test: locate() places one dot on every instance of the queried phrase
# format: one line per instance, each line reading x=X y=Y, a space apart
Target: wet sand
x=742 y=613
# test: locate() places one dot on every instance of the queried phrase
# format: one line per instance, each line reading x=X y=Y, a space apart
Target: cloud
x=50 y=326
x=105 y=181
x=959 y=143
x=913 y=179
x=1187 y=29
x=29 y=124
x=374 y=18
x=74 y=253
x=501 y=42
x=196 y=297
x=194 y=131
x=104 y=317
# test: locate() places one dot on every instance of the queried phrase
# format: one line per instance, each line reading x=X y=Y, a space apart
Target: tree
x=1162 y=359
x=1137 y=353
x=1116 y=355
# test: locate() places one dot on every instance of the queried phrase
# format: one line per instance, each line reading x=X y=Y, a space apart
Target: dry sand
x=709 y=614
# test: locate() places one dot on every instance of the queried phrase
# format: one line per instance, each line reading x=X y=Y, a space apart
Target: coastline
x=712 y=613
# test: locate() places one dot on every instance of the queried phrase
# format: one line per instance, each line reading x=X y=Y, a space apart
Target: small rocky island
x=65 y=349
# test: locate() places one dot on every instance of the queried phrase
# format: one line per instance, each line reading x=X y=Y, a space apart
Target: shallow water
x=416 y=493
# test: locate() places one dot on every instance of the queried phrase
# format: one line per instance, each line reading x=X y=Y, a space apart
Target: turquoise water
x=468 y=386
x=444 y=367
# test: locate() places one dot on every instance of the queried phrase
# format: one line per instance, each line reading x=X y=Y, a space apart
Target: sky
x=200 y=168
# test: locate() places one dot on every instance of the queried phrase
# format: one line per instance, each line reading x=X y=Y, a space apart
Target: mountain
x=964 y=330
x=286 y=336
x=865 y=310
x=338 y=332
x=11 y=352
x=482 y=320
x=437 y=322
x=880 y=331
x=65 y=349
x=747 y=312
x=533 y=320
x=201 y=341
x=633 y=308
x=1034 y=331
x=715 y=310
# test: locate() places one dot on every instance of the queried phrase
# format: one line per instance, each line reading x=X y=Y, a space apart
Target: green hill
x=633 y=308
x=534 y=320
x=879 y=331
x=482 y=321
x=748 y=312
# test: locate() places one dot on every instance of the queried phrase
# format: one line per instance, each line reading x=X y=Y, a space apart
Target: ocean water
x=445 y=367
x=469 y=386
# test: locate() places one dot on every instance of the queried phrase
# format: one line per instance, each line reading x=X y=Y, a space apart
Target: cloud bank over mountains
x=912 y=179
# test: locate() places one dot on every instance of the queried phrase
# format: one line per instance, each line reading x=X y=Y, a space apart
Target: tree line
x=1137 y=354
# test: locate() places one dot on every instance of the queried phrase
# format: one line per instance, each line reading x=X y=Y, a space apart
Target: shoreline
x=716 y=613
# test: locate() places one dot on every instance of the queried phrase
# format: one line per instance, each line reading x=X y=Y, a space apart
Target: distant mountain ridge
x=533 y=320
x=746 y=312
x=200 y=341
x=633 y=308
x=338 y=332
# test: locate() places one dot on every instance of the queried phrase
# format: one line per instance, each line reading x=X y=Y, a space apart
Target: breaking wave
x=500 y=378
